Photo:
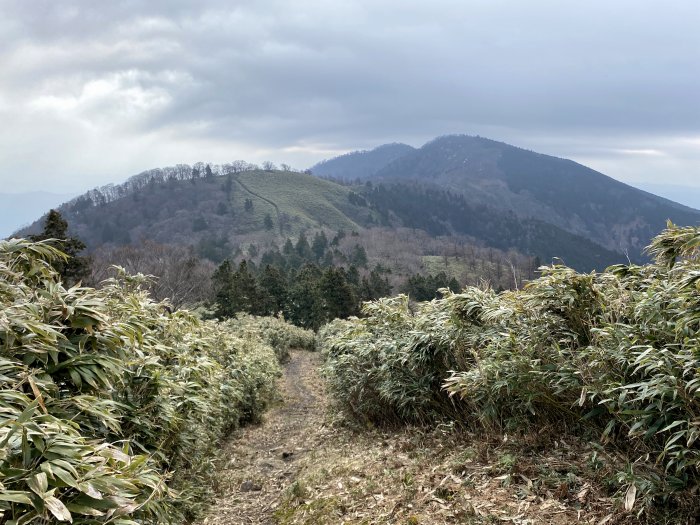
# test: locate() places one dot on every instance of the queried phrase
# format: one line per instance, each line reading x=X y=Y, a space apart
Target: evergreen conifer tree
x=272 y=287
x=76 y=267
x=374 y=286
x=304 y=304
x=244 y=293
x=302 y=247
x=338 y=295
x=358 y=257
x=236 y=291
x=319 y=245
x=223 y=282
x=288 y=247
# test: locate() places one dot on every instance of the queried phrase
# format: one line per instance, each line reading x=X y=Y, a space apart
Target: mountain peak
x=530 y=185
x=361 y=164
x=503 y=196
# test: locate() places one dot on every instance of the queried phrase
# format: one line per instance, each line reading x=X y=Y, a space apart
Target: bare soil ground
x=262 y=461
x=298 y=468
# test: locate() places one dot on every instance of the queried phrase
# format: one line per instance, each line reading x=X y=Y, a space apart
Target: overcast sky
x=92 y=92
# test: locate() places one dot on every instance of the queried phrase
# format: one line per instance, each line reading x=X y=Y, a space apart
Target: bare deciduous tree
x=180 y=276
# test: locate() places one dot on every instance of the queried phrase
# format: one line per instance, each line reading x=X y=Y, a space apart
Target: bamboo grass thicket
x=275 y=331
x=615 y=354
x=112 y=409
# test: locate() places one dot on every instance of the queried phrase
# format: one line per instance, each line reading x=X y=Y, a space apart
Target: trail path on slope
x=271 y=202
x=263 y=459
x=295 y=468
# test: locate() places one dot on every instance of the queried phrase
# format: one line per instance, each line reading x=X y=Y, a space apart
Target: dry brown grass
x=310 y=471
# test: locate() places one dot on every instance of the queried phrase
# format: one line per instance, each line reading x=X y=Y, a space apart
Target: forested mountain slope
x=361 y=164
x=441 y=213
x=534 y=186
x=218 y=214
x=195 y=210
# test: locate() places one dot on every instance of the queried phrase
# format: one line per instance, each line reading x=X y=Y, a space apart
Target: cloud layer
x=92 y=92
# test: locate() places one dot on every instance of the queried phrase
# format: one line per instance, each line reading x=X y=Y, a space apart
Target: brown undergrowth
x=298 y=468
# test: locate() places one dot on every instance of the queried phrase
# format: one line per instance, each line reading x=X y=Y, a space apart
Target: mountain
x=361 y=164
x=19 y=209
x=194 y=210
x=531 y=185
x=221 y=214
x=442 y=213
x=472 y=189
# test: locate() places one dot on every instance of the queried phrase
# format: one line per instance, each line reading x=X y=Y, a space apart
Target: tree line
x=309 y=283
x=300 y=281
x=304 y=282
x=179 y=172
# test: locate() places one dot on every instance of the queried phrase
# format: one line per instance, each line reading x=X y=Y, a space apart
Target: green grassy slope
x=309 y=201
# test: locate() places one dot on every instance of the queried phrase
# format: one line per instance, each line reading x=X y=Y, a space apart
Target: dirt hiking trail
x=297 y=468
x=263 y=459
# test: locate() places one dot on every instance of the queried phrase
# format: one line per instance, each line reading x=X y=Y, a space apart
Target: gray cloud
x=94 y=91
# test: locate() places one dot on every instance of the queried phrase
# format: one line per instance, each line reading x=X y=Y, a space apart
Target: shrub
x=275 y=331
x=112 y=408
x=388 y=366
x=616 y=353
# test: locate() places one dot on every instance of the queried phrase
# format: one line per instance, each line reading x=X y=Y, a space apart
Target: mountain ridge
x=479 y=190
x=345 y=166
x=534 y=185
x=221 y=214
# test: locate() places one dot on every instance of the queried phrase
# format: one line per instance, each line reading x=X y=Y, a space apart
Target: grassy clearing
x=609 y=358
x=253 y=220
x=112 y=408
x=470 y=270
x=311 y=200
